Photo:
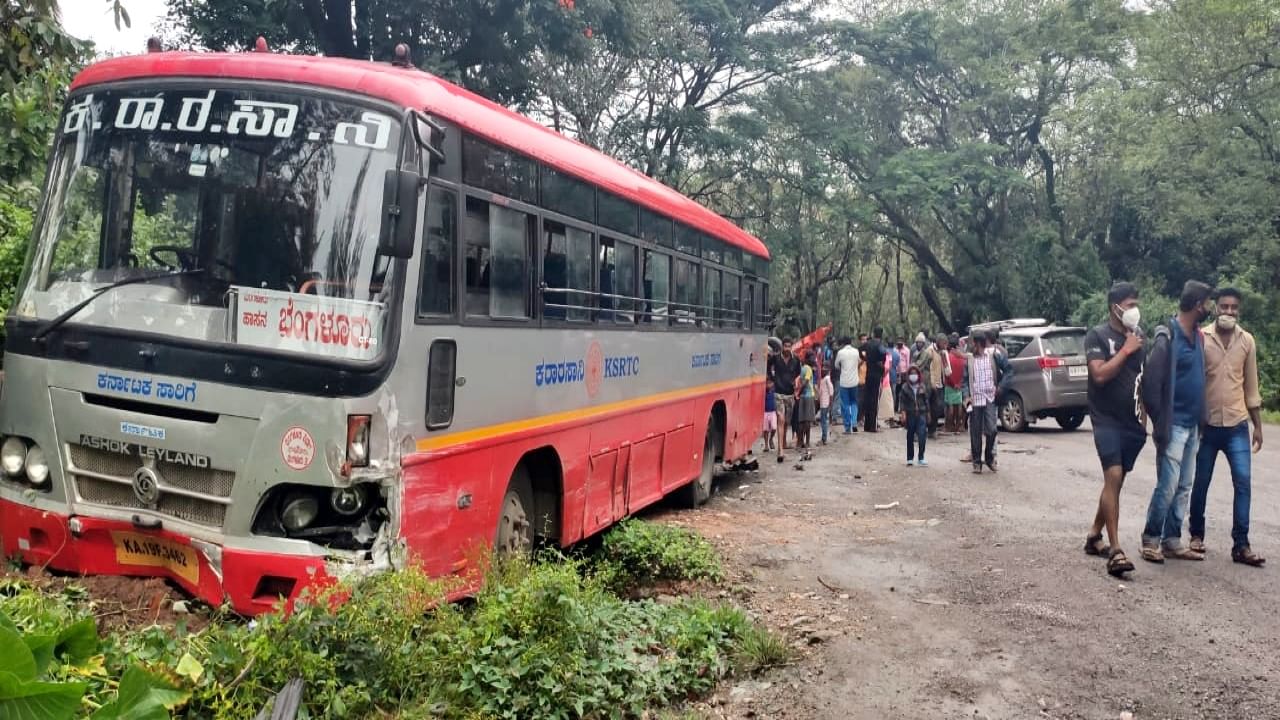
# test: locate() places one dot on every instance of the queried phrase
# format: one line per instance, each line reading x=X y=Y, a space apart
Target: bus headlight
x=13 y=455
x=347 y=500
x=358 y=440
x=298 y=511
x=37 y=466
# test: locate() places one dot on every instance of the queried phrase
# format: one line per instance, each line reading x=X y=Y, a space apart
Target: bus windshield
x=272 y=199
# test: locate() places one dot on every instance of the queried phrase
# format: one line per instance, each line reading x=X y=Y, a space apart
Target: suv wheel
x=1070 y=420
x=1012 y=415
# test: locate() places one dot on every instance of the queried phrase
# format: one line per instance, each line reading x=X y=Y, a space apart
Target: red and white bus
x=288 y=318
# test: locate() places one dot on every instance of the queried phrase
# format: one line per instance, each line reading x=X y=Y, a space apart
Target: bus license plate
x=150 y=551
x=1078 y=371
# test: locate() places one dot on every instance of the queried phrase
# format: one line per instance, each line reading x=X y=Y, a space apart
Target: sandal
x=1118 y=564
x=1246 y=556
x=1197 y=545
x=1093 y=545
x=1182 y=553
x=1152 y=553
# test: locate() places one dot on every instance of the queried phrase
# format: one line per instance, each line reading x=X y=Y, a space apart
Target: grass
x=547 y=638
x=639 y=553
x=758 y=649
x=1271 y=417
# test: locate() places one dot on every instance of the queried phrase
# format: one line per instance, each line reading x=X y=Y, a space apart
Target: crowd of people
x=1197 y=383
x=952 y=383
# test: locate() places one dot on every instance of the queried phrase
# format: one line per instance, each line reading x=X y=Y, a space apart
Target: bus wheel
x=699 y=491
x=515 y=531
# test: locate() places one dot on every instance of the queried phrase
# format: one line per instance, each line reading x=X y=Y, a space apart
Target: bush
x=639 y=553
x=541 y=639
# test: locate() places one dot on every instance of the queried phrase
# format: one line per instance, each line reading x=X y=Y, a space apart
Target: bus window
x=712 y=249
x=686 y=292
x=731 y=317
x=566 y=264
x=497 y=260
x=568 y=195
x=436 y=295
x=617 y=280
x=657 y=286
x=500 y=171
x=749 y=307
x=655 y=228
x=710 y=297
x=688 y=240
x=617 y=214
x=441 y=375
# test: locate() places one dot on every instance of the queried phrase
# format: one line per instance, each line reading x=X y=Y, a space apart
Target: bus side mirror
x=399 y=213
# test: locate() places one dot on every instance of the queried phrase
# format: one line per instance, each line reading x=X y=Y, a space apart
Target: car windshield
x=1063 y=344
x=274 y=197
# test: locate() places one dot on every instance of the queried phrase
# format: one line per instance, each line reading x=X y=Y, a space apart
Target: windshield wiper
x=70 y=312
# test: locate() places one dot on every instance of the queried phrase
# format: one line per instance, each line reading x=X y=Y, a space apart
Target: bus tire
x=514 y=536
x=698 y=492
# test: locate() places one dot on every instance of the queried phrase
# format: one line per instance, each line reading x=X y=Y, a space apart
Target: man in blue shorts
x=1114 y=353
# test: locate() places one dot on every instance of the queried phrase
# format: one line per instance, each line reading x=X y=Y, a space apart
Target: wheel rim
x=1013 y=414
x=513 y=526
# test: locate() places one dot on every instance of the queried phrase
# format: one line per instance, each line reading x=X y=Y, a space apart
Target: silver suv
x=1051 y=377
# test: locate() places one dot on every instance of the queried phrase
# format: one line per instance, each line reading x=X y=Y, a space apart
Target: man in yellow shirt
x=1232 y=400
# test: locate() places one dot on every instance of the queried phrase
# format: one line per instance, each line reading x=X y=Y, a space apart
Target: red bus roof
x=409 y=87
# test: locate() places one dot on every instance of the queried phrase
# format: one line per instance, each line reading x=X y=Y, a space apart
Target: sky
x=93 y=20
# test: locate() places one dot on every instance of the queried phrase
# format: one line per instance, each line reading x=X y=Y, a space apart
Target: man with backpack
x=1173 y=385
x=987 y=374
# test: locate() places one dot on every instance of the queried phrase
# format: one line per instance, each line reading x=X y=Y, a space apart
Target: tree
x=650 y=99
x=482 y=45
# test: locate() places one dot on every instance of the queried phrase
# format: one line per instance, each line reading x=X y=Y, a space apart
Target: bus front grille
x=197 y=495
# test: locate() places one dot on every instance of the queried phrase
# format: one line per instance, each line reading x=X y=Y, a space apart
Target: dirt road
x=972 y=597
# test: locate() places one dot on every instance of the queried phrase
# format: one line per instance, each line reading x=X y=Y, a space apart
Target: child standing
x=825 y=392
x=770 y=417
x=806 y=404
x=913 y=406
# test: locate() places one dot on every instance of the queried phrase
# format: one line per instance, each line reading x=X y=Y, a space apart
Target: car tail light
x=1048 y=363
x=358 y=440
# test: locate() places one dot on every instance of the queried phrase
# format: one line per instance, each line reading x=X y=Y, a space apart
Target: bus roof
x=409 y=87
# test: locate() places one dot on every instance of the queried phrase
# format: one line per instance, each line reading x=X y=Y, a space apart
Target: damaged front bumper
x=251 y=580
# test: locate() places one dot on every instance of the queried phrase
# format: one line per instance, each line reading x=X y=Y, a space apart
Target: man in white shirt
x=847 y=360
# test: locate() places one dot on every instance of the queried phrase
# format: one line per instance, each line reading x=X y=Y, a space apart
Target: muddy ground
x=972 y=597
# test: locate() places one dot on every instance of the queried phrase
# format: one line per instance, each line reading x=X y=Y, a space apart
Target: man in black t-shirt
x=784 y=368
x=873 y=354
x=1114 y=354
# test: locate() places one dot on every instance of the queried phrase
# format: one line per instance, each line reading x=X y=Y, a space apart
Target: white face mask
x=913 y=379
x=1130 y=318
x=1227 y=322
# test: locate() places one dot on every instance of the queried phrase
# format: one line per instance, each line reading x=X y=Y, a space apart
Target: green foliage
x=46 y=657
x=759 y=649
x=636 y=552
x=15 y=235
x=541 y=639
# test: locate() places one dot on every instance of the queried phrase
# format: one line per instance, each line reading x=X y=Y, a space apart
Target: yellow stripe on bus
x=581 y=414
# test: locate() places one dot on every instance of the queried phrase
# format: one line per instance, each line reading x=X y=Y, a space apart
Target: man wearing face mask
x=1114 y=353
x=1173 y=394
x=1232 y=400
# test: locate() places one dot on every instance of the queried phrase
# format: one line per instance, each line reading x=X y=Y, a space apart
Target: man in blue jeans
x=1232 y=400
x=847 y=361
x=1173 y=394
